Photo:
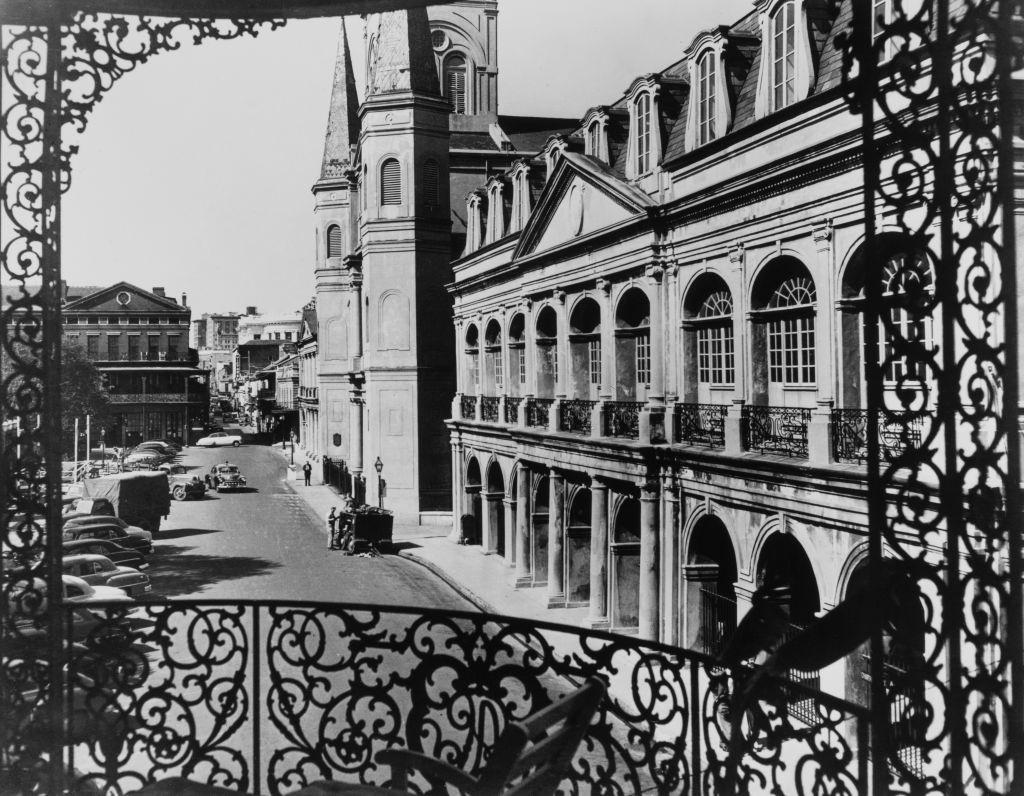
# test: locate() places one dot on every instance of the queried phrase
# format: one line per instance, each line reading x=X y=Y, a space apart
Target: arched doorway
x=472 y=381
x=547 y=352
x=709 y=361
x=516 y=377
x=633 y=346
x=709 y=591
x=471 y=517
x=625 y=549
x=585 y=349
x=539 y=529
x=494 y=510
x=494 y=372
x=577 y=552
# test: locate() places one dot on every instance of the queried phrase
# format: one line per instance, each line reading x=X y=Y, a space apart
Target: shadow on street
x=184 y=573
x=178 y=533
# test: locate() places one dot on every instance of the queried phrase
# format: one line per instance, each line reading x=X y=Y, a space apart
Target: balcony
x=701 y=424
x=778 y=429
x=575 y=416
x=622 y=419
x=489 y=407
x=898 y=432
x=267 y=697
x=157 y=398
x=308 y=393
x=512 y=403
x=538 y=412
x=467 y=406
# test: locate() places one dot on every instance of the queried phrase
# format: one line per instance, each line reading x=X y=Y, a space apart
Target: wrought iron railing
x=467 y=405
x=575 y=414
x=337 y=474
x=701 y=424
x=898 y=432
x=157 y=398
x=512 y=403
x=622 y=418
x=267 y=697
x=778 y=429
x=489 y=407
x=538 y=412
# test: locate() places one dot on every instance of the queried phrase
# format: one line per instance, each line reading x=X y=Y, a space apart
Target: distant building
x=309 y=375
x=139 y=341
x=255 y=326
x=215 y=337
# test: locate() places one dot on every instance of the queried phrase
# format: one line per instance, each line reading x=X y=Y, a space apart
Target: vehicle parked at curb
x=88 y=507
x=77 y=590
x=101 y=571
x=110 y=532
x=225 y=476
x=138 y=498
x=77 y=520
x=183 y=484
x=219 y=439
x=122 y=556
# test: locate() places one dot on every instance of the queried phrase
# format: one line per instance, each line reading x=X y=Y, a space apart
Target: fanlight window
x=455 y=82
x=334 y=241
x=908 y=289
x=783 y=55
x=716 y=363
x=706 y=98
x=390 y=182
x=791 y=333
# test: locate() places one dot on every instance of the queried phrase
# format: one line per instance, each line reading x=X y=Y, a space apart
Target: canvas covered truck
x=139 y=498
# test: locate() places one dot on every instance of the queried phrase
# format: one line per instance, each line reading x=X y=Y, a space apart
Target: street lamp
x=379 y=467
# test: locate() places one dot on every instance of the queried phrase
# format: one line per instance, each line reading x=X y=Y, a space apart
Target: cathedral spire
x=402 y=59
x=343 y=118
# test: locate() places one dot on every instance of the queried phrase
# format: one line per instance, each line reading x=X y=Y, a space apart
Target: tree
x=83 y=392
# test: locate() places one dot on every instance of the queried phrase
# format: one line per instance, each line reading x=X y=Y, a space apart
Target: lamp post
x=379 y=467
x=293 y=446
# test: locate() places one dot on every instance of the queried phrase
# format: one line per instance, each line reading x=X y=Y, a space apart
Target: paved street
x=267 y=544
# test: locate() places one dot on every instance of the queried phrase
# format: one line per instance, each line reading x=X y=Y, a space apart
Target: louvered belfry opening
x=455 y=82
x=334 y=247
x=431 y=183
x=390 y=182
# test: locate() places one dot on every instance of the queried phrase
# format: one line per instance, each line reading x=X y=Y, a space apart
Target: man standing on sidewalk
x=307 y=471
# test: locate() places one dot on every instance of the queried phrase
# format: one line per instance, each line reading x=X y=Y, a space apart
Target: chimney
x=160 y=292
x=250 y=310
x=184 y=299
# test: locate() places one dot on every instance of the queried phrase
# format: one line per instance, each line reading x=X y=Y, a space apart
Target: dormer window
x=455 y=82
x=643 y=133
x=706 y=77
x=594 y=140
x=783 y=55
x=520 y=197
x=495 y=226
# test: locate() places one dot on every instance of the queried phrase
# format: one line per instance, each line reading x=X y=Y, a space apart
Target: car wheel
x=234 y=444
x=178 y=493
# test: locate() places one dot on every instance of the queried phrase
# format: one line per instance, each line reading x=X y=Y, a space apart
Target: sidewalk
x=485 y=580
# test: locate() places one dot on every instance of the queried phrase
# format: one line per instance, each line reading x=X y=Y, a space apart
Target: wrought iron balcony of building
x=575 y=416
x=302 y=692
x=157 y=398
x=467 y=405
x=778 y=429
x=701 y=424
x=538 y=412
x=622 y=419
x=512 y=403
x=898 y=432
x=489 y=406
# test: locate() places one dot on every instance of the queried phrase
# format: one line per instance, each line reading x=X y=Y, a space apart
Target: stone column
x=562 y=346
x=457 y=492
x=672 y=354
x=819 y=432
x=356 y=447
x=524 y=574
x=649 y=580
x=356 y=331
x=510 y=530
x=530 y=333
x=598 y=615
x=656 y=393
x=670 y=559
x=607 y=392
x=490 y=505
x=556 y=542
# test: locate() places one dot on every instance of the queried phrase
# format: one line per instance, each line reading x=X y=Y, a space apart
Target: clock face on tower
x=124 y=298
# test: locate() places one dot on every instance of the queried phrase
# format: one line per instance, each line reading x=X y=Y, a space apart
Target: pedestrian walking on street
x=332 y=538
x=307 y=471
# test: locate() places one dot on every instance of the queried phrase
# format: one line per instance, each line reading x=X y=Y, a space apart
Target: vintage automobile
x=83 y=520
x=219 y=439
x=183 y=485
x=77 y=590
x=101 y=571
x=88 y=507
x=122 y=556
x=225 y=476
x=109 y=531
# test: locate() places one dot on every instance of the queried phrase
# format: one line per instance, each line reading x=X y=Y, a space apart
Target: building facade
x=388 y=222
x=660 y=404
x=309 y=382
x=139 y=341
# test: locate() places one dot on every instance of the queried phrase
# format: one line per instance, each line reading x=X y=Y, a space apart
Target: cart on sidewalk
x=370 y=529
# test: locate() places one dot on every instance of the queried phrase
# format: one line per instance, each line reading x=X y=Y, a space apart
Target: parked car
x=183 y=485
x=143 y=460
x=122 y=556
x=171 y=444
x=225 y=476
x=88 y=507
x=141 y=499
x=81 y=521
x=77 y=590
x=101 y=571
x=219 y=439
x=111 y=532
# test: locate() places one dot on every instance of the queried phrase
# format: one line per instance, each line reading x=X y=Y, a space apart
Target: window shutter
x=431 y=183
x=391 y=183
x=334 y=241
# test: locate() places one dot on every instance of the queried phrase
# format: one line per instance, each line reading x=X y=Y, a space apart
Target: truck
x=139 y=498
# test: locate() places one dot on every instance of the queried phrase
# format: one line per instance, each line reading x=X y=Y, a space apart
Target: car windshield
x=178 y=470
x=228 y=469
x=105 y=565
x=218 y=434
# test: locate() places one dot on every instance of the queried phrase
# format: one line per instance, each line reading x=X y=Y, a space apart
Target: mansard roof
x=343 y=117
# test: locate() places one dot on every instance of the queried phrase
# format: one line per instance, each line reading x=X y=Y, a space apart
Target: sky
x=195 y=170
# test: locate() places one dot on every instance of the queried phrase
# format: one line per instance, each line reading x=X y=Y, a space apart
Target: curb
x=461 y=590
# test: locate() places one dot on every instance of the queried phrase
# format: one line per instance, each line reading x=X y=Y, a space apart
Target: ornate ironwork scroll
x=778 y=429
x=622 y=418
x=538 y=412
x=850 y=435
x=575 y=415
x=467 y=405
x=512 y=409
x=489 y=409
x=932 y=82
x=701 y=424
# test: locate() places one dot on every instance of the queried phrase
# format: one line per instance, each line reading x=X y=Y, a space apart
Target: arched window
x=791 y=332
x=908 y=291
x=473 y=359
x=632 y=344
x=783 y=55
x=517 y=352
x=492 y=348
x=390 y=182
x=334 y=248
x=455 y=82
x=431 y=183
x=643 y=133
x=546 y=340
x=706 y=97
x=715 y=347
x=594 y=140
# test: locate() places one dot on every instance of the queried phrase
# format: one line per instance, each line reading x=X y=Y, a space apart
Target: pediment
x=123 y=297
x=580 y=198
